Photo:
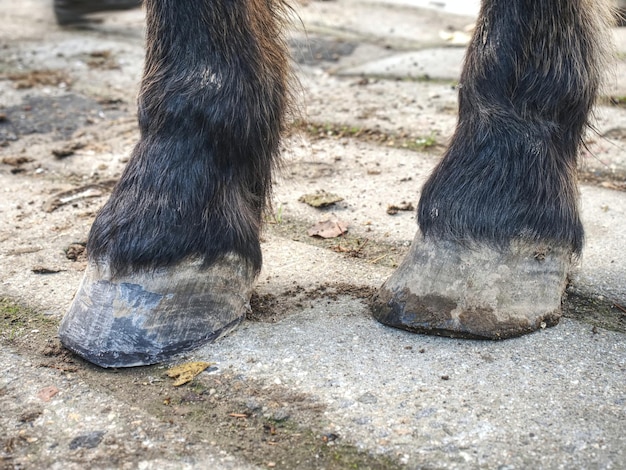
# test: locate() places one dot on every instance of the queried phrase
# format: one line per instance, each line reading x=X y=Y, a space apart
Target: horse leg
x=175 y=251
x=498 y=217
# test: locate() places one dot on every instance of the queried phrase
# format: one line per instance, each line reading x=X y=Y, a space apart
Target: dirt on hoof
x=474 y=292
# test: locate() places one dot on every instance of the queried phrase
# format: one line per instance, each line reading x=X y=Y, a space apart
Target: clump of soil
x=268 y=307
x=599 y=312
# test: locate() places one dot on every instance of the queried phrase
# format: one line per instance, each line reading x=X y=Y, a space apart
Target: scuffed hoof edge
x=447 y=289
x=150 y=316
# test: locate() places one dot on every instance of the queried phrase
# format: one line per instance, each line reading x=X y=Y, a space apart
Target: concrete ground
x=309 y=380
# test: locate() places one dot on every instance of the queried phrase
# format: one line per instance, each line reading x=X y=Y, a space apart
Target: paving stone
x=426 y=64
x=552 y=399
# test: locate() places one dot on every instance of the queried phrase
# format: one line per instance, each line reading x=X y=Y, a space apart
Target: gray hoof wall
x=479 y=292
x=150 y=316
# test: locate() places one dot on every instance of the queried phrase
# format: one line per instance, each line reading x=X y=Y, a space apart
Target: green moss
x=418 y=143
x=422 y=143
x=16 y=320
x=618 y=101
x=260 y=440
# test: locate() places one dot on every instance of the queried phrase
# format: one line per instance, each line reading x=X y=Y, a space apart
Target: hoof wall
x=150 y=316
x=450 y=290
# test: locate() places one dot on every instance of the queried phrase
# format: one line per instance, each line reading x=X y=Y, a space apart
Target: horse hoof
x=447 y=289
x=149 y=316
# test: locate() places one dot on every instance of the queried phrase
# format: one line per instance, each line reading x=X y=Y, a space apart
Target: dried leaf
x=320 y=199
x=328 y=229
x=186 y=372
x=46 y=394
x=458 y=38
